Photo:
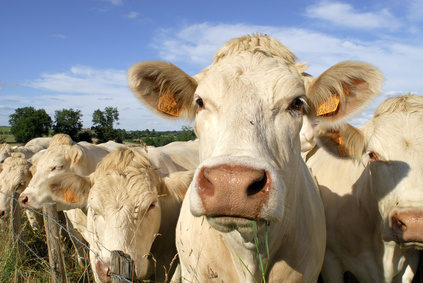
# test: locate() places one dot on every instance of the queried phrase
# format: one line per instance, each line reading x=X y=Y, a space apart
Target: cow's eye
x=199 y=102
x=373 y=156
x=297 y=104
x=57 y=168
x=152 y=206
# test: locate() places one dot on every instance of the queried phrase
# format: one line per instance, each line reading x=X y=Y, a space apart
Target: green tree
x=27 y=123
x=187 y=134
x=103 y=124
x=68 y=121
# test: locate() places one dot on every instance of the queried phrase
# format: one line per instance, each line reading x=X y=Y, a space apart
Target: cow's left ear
x=345 y=141
x=344 y=90
x=76 y=154
x=70 y=189
x=164 y=88
x=178 y=183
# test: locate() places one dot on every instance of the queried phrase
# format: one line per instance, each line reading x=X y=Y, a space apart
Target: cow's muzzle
x=233 y=191
x=407 y=227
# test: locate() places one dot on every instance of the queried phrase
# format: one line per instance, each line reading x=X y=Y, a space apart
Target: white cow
x=133 y=202
x=28 y=150
x=62 y=156
x=248 y=108
x=13 y=179
x=373 y=204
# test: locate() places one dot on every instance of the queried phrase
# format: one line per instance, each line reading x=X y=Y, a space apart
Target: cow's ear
x=345 y=141
x=70 y=189
x=76 y=154
x=177 y=183
x=344 y=90
x=164 y=88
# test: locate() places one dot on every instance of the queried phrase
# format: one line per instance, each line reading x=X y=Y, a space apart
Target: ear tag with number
x=168 y=105
x=329 y=106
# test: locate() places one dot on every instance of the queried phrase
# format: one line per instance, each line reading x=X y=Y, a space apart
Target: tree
x=103 y=124
x=27 y=123
x=187 y=134
x=68 y=121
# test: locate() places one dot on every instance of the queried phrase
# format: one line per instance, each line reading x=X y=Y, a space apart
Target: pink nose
x=103 y=271
x=237 y=191
x=408 y=226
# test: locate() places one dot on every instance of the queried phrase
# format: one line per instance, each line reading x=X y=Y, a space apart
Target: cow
x=13 y=179
x=28 y=150
x=132 y=201
x=371 y=184
x=62 y=155
x=252 y=186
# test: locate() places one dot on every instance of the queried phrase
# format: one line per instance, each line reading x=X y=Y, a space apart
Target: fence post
x=15 y=222
x=122 y=265
x=57 y=263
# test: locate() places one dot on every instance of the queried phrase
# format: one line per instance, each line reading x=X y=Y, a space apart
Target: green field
x=5 y=134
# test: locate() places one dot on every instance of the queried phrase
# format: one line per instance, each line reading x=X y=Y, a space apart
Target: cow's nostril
x=23 y=199
x=258 y=185
x=2 y=213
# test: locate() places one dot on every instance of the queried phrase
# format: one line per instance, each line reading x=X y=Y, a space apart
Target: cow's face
x=395 y=163
x=13 y=179
x=55 y=160
x=391 y=186
x=123 y=214
x=248 y=122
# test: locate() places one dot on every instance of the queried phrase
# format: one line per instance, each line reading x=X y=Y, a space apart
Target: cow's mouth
x=227 y=224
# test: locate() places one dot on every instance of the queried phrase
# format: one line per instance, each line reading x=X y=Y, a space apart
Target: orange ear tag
x=168 y=105
x=329 y=106
x=342 y=149
x=70 y=196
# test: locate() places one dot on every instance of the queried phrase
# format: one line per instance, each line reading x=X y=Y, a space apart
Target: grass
x=29 y=262
x=263 y=269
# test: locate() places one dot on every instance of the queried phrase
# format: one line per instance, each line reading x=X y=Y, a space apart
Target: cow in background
x=132 y=201
x=248 y=108
x=371 y=183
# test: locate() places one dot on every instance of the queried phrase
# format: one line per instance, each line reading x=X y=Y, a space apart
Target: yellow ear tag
x=342 y=149
x=70 y=196
x=168 y=105
x=329 y=106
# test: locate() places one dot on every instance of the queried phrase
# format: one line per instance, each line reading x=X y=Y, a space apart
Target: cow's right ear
x=345 y=141
x=69 y=189
x=164 y=88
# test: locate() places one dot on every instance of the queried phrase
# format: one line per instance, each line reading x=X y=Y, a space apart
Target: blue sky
x=58 y=55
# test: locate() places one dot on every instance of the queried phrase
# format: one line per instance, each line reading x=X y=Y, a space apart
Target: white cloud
x=132 y=15
x=61 y=36
x=83 y=79
x=342 y=14
x=114 y=2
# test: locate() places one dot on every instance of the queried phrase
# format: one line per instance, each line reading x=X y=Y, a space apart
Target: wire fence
x=21 y=241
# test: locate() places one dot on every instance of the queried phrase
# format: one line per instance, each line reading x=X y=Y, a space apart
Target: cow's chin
x=226 y=224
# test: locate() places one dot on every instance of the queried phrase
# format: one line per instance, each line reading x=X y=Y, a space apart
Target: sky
x=66 y=54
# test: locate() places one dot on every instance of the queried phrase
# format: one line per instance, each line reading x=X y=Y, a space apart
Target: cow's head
x=123 y=198
x=60 y=157
x=390 y=146
x=13 y=179
x=248 y=108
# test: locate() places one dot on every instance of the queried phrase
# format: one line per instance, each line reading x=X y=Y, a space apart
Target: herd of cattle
x=278 y=185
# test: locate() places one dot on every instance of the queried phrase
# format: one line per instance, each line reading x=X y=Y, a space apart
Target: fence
x=121 y=265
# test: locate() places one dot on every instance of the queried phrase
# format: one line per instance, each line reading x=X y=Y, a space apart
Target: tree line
x=28 y=123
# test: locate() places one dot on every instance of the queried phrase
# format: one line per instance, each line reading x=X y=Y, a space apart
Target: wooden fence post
x=56 y=260
x=15 y=222
x=122 y=265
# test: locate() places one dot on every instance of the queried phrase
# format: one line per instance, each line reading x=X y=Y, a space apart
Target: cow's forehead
x=249 y=75
x=398 y=135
